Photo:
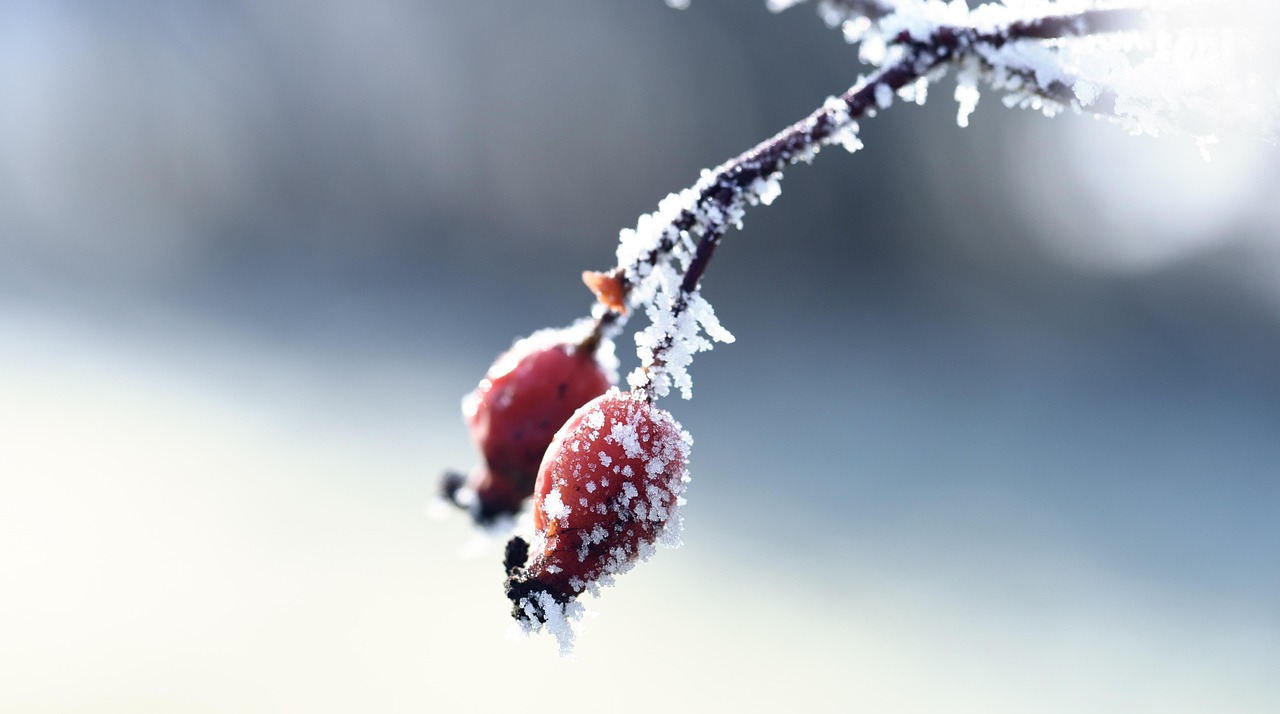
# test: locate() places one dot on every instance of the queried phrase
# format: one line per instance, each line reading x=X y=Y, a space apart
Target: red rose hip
x=608 y=489
x=512 y=415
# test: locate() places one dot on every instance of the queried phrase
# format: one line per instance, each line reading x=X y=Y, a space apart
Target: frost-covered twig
x=1190 y=67
x=661 y=260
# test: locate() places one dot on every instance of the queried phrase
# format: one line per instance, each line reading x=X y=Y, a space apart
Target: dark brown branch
x=722 y=196
x=950 y=42
x=731 y=186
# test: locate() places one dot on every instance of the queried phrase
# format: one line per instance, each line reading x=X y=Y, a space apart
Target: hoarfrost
x=1203 y=143
x=884 y=96
x=625 y=435
x=1197 y=68
x=654 y=466
x=917 y=91
x=677 y=334
x=554 y=506
x=557 y=618
x=629 y=492
x=854 y=30
x=967 y=93
x=765 y=190
x=847 y=136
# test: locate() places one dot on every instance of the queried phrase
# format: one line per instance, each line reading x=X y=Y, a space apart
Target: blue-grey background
x=1000 y=433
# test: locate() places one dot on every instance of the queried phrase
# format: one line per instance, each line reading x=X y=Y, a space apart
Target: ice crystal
x=557 y=618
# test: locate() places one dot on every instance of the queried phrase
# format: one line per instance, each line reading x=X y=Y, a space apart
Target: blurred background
x=1000 y=433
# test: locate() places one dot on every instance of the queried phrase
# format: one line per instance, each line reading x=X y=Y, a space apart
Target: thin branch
x=720 y=199
x=950 y=42
x=662 y=260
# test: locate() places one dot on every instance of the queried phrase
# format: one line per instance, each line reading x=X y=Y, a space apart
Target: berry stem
x=608 y=323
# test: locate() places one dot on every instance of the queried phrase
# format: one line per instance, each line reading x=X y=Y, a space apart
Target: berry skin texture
x=513 y=414
x=609 y=488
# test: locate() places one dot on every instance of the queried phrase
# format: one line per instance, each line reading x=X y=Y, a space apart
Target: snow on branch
x=661 y=260
x=1153 y=69
x=1190 y=67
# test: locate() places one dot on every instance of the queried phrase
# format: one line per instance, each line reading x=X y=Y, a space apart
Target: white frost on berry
x=554 y=506
x=625 y=436
x=628 y=492
x=559 y=618
x=629 y=520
